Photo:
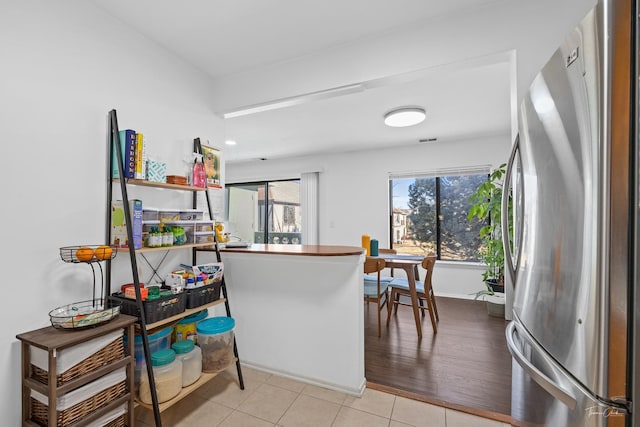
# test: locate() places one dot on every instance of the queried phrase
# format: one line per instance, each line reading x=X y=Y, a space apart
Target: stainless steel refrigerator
x=574 y=179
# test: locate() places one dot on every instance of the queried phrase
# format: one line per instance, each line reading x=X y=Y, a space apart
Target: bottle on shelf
x=199 y=172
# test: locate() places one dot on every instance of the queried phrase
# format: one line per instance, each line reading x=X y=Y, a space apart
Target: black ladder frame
x=114 y=143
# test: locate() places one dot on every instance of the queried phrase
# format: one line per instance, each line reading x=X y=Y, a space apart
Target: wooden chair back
x=373 y=265
x=428 y=297
x=376 y=265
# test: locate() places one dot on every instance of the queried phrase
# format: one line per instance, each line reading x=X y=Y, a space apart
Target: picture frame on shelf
x=211 y=159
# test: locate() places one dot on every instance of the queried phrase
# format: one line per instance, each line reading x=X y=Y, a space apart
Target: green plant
x=487 y=207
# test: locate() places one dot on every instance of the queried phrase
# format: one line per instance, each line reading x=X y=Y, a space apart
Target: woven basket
x=121 y=421
x=106 y=355
x=40 y=411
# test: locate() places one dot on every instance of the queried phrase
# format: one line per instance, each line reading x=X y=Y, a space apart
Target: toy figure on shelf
x=220 y=236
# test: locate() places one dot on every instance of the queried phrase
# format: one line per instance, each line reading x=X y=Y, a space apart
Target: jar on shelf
x=191 y=357
x=167 y=236
x=155 y=238
x=167 y=372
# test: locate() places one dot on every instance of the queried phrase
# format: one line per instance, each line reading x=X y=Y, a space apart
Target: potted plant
x=487 y=208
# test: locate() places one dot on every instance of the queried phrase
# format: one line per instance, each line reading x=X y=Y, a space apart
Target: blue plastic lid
x=195 y=317
x=157 y=335
x=182 y=347
x=216 y=325
x=163 y=357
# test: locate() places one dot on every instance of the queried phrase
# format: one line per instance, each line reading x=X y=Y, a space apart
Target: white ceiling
x=223 y=37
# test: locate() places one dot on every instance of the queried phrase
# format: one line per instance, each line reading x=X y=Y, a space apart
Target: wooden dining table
x=408 y=263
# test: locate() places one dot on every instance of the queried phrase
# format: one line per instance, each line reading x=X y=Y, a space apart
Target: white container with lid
x=191 y=357
x=167 y=373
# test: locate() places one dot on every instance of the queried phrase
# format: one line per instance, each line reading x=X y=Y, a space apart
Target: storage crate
x=191 y=215
x=203 y=294
x=169 y=215
x=112 y=352
x=150 y=214
x=203 y=237
x=74 y=405
x=154 y=310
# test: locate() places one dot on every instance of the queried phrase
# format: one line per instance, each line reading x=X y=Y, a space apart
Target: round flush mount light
x=230 y=142
x=404 y=116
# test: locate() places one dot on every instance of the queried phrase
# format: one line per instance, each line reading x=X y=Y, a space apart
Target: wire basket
x=84 y=314
x=87 y=253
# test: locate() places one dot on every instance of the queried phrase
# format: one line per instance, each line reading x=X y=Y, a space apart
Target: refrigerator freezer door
x=553 y=398
x=574 y=275
x=557 y=295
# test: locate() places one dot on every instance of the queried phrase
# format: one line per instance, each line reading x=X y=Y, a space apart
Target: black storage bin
x=203 y=294
x=154 y=310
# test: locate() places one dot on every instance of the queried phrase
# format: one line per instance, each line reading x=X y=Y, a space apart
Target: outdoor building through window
x=429 y=215
x=265 y=212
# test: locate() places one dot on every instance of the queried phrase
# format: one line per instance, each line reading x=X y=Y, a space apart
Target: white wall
x=64 y=65
x=354 y=197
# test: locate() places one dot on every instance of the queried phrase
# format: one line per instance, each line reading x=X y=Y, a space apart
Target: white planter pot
x=495 y=304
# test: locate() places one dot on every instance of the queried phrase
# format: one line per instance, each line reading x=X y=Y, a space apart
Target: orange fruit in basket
x=84 y=253
x=103 y=252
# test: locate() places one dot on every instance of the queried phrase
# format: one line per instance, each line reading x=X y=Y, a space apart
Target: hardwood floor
x=465 y=366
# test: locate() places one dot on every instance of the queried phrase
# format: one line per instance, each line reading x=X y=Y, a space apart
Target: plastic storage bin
x=167 y=372
x=191 y=357
x=191 y=214
x=215 y=338
x=203 y=295
x=186 y=328
x=150 y=214
x=159 y=341
x=168 y=215
x=154 y=310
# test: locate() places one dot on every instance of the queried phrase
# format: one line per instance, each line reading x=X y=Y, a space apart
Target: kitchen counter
x=307 y=250
x=299 y=311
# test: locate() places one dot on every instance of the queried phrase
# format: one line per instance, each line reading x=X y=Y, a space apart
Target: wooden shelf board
x=184 y=314
x=145 y=183
x=204 y=378
x=172 y=248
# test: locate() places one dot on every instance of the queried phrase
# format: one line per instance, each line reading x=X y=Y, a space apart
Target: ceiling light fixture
x=230 y=142
x=404 y=116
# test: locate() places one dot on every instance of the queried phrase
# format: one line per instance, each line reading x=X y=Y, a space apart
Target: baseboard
x=358 y=391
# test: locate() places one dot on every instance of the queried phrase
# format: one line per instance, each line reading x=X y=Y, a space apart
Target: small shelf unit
x=142 y=326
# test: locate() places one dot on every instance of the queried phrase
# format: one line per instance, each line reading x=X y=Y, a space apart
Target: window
x=265 y=212
x=429 y=214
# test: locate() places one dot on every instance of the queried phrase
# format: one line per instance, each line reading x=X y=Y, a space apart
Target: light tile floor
x=270 y=401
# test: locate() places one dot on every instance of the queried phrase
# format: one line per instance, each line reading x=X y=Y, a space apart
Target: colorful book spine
x=140 y=172
x=128 y=147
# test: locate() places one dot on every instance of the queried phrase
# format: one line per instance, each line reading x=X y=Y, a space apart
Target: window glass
x=429 y=215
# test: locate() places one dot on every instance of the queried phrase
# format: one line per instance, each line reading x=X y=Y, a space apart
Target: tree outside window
x=436 y=209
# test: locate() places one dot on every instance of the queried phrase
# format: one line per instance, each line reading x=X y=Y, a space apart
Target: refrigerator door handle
x=544 y=381
x=504 y=223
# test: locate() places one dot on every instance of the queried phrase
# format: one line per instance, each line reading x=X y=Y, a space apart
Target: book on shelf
x=128 y=150
x=141 y=157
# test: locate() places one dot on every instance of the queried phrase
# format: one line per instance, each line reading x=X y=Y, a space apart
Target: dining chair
x=383 y=251
x=375 y=285
x=400 y=286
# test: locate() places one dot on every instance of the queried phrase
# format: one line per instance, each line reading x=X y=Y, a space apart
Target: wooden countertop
x=306 y=250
